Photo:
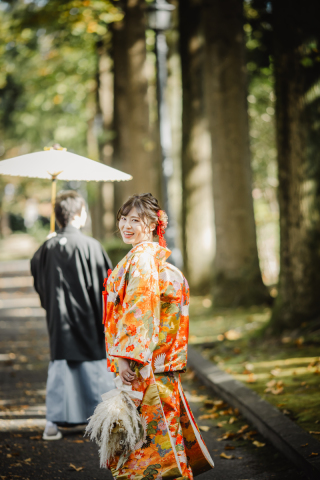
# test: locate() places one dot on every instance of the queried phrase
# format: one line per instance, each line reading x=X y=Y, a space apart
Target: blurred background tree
x=243 y=92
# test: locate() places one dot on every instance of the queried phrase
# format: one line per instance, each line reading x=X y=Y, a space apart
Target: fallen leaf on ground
x=286 y=412
x=248 y=435
x=271 y=384
x=204 y=428
x=258 y=444
x=305 y=445
x=232 y=420
x=313 y=454
x=251 y=378
x=227 y=457
x=314 y=433
x=278 y=387
x=226 y=412
x=78 y=441
x=218 y=403
x=229 y=447
x=209 y=415
x=77 y=469
x=220 y=424
x=243 y=428
x=275 y=372
x=36 y=437
x=227 y=436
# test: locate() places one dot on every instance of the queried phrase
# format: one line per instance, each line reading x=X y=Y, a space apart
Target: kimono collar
x=160 y=253
x=69 y=229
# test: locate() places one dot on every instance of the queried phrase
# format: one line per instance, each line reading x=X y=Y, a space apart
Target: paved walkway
x=24 y=357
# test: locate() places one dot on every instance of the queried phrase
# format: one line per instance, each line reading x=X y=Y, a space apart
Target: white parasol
x=56 y=162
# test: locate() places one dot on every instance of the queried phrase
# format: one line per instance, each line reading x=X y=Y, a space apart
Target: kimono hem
x=147 y=321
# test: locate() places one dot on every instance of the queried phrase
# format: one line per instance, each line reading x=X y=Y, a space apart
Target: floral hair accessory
x=161 y=227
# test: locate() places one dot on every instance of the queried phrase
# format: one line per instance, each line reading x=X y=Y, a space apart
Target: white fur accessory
x=116 y=424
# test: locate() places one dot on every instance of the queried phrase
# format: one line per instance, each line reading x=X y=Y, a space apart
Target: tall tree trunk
x=298 y=299
x=93 y=190
x=106 y=103
x=197 y=206
x=237 y=273
x=99 y=144
x=134 y=147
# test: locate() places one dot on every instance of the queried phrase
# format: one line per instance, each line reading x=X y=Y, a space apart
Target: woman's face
x=133 y=230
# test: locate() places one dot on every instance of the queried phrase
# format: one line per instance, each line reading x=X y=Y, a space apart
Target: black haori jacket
x=68 y=271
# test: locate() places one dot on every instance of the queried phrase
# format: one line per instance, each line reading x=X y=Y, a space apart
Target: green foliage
x=48 y=70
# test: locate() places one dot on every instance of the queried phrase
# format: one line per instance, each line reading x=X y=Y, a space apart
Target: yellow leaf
x=243 y=428
x=251 y=378
x=227 y=457
x=220 y=424
x=77 y=469
x=204 y=428
x=313 y=454
x=271 y=383
x=314 y=433
x=258 y=444
x=232 y=420
x=276 y=391
x=209 y=415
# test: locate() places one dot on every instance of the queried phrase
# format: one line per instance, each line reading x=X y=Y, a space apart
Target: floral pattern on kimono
x=147 y=311
x=147 y=322
x=171 y=445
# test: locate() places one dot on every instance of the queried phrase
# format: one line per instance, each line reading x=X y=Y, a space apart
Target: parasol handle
x=53 y=202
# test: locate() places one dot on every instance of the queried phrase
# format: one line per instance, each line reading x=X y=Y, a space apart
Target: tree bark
x=237 y=273
x=298 y=297
x=99 y=141
x=134 y=148
x=197 y=206
x=106 y=103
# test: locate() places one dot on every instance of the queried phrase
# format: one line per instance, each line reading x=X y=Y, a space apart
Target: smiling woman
x=138 y=218
x=134 y=230
x=146 y=327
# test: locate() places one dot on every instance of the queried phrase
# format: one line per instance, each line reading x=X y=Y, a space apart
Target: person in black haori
x=69 y=270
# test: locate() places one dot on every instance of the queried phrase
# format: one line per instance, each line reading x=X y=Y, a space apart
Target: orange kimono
x=147 y=321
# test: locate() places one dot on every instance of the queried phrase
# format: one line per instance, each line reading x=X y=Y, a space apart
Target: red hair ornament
x=161 y=227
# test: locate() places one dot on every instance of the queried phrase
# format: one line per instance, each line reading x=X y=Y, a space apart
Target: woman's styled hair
x=147 y=207
x=68 y=204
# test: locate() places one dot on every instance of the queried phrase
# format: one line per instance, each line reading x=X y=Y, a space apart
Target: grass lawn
x=284 y=371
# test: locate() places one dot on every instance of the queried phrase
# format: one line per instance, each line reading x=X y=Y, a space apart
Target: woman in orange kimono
x=146 y=327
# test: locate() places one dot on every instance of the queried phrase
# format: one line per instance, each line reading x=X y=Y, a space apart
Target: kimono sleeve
x=137 y=330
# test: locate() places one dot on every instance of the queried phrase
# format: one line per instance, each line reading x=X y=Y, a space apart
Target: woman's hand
x=125 y=372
